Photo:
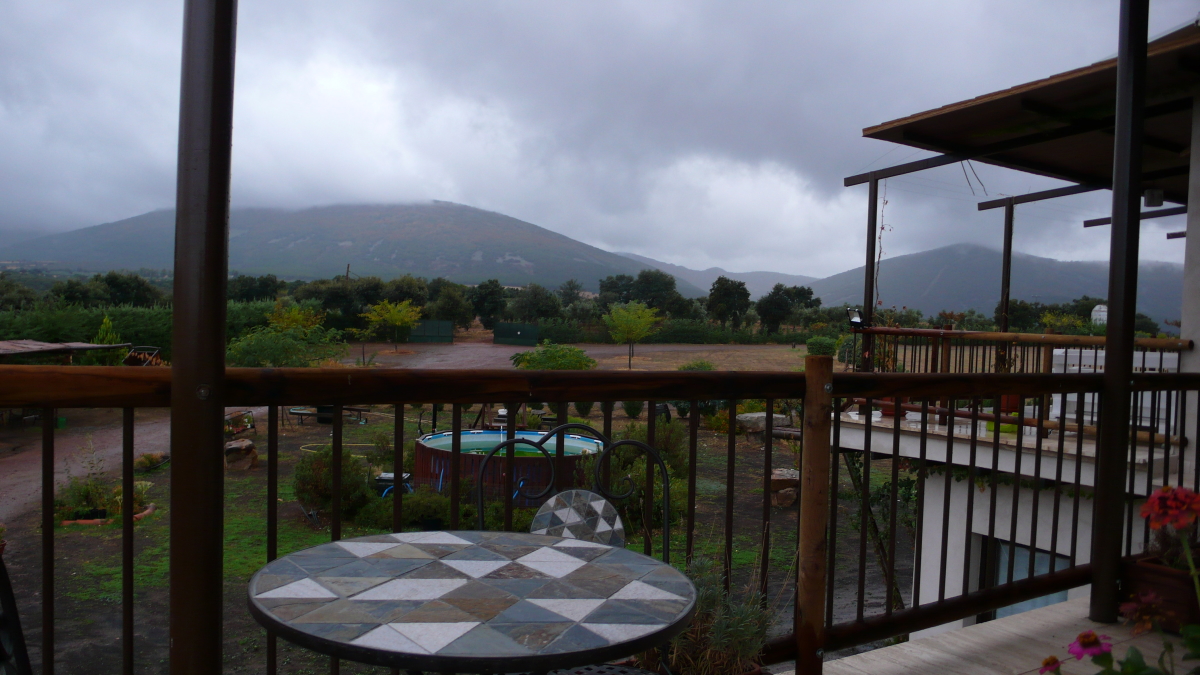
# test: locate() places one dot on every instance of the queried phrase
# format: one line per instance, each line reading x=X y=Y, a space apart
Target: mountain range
x=431 y=239
x=468 y=245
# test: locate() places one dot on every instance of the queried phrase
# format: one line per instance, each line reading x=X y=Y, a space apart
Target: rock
x=785 y=497
x=782 y=479
x=757 y=422
x=241 y=449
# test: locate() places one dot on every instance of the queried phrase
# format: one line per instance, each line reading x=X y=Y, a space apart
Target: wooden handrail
x=1164 y=344
x=124 y=386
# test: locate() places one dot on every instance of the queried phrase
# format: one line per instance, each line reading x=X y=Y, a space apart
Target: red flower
x=1174 y=506
x=1090 y=644
x=1050 y=664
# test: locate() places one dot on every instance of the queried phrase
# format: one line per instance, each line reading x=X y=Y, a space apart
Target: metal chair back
x=580 y=514
x=14 y=658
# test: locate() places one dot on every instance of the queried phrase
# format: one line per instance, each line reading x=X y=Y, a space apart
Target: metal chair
x=580 y=514
x=14 y=658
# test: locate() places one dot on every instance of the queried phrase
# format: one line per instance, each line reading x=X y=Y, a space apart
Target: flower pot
x=888 y=405
x=1174 y=586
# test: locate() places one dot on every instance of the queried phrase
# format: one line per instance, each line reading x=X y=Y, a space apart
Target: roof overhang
x=1061 y=126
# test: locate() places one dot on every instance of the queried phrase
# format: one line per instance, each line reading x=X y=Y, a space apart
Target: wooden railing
x=1048 y=468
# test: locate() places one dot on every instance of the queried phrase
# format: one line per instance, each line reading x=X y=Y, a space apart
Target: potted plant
x=1165 y=568
x=726 y=636
x=1171 y=513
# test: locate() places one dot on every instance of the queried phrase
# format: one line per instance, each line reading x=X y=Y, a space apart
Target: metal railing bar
x=1079 y=399
x=560 y=473
x=991 y=574
x=730 y=452
x=768 y=449
x=921 y=471
x=398 y=467
x=335 y=530
x=648 y=495
x=127 y=506
x=272 y=516
x=510 y=454
x=1016 y=490
x=893 y=507
x=864 y=512
x=1058 y=471
x=970 y=514
x=946 y=483
x=1037 y=483
x=48 y=420
x=456 y=464
x=693 y=442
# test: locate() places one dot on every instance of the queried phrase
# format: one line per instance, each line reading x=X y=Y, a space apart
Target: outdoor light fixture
x=1153 y=197
x=855 y=317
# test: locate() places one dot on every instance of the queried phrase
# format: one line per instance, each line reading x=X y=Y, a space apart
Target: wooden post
x=814 y=515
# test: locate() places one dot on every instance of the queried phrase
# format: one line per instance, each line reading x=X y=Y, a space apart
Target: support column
x=868 y=308
x=198 y=334
x=1109 y=503
x=812 y=535
x=1002 y=361
x=1189 y=361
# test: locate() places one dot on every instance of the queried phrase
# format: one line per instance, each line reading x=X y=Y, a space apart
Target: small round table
x=475 y=602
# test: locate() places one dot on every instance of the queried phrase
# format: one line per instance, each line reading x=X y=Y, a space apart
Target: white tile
x=568 y=534
x=546 y=554
x=363 y=549
x=562 y=514
x=411 y=589
x=385 y=637
x=579 y=543
x=603 y=526
x=573 y=517
x=640 y=590
x=555 y=569
x=574 y=610
x=433 y=636
x=440 y=538
x=620 y=632
x=598 y=505
x=541 y=531
x=305 y=588
x=408 y=537
x=476 y=568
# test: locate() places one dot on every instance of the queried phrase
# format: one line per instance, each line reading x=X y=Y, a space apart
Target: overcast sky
x=698 y=133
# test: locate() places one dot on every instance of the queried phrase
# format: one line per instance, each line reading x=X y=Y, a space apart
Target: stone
x=784 y=478
x=783 y=498
x=757 y=422
x=239 y=449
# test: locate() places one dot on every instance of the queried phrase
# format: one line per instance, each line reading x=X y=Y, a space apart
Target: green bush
x=285 y=347
x=550 y=356
x=822 y=346
x=313 y=482
x=698 y=364
x=684 y=408
x=633 y=408
x=584 y=408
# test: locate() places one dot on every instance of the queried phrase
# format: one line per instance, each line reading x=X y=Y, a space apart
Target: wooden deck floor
x=1010 y=646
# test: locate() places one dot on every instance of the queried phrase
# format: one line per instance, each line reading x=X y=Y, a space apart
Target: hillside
x=758 y=283
x=965 y=276
x=461 y=243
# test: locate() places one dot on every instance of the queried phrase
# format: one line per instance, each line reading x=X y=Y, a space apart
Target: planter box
x=1174 y=586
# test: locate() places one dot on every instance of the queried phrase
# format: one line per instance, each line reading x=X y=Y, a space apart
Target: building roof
x=1061 y=126
x=23 y=347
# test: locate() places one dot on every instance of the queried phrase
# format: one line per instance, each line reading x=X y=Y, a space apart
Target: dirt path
x=21 y=457
x=476 y=355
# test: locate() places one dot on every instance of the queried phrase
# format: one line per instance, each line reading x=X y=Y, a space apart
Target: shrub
x=698 y=364
x=670 y=439
x=549 y=356
x=150 y=461
x=584 y=408
x=822 y=346
x=313 y=481
x=684 y=408
x=285 y=347
x=633 y=408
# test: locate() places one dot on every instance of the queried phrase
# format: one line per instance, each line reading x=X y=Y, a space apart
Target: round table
x=464 y=601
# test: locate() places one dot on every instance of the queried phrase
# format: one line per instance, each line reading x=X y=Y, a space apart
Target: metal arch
x=491 y=453
x=666 y=478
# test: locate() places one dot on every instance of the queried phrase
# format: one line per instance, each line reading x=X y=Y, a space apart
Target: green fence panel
x=432 y=331
x=524 y=334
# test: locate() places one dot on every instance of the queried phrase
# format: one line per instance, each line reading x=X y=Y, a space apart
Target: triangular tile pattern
x=495 y=594
x=582 y=515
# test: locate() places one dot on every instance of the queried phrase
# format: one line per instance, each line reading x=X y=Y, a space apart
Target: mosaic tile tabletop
x=492 y=601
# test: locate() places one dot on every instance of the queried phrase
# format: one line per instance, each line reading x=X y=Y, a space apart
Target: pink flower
x=1090 y=644
x=1050 y=664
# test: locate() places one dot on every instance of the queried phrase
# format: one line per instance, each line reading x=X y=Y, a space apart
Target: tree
x=728 y=300
x=653 y=288
x=125 y=288
x=78 y=292
x=409 y=288
x=247 y=289
x=489 y=300
x=801 y=297
x=535 y=302
x=284 y=347
x=390 y=319
x=616 y=289
x=631 y=323
x=774 y=307
x=569 y=292
x=452 y=305
x=106 y=335
x=549 y=356
x=437 y=285
x=14 y=295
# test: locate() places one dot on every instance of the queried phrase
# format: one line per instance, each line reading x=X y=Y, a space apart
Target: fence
x=522 y=334
x=432 y=331
x=987 y=500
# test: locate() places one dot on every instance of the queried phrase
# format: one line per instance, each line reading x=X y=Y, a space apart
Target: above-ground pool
x=531 y=471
